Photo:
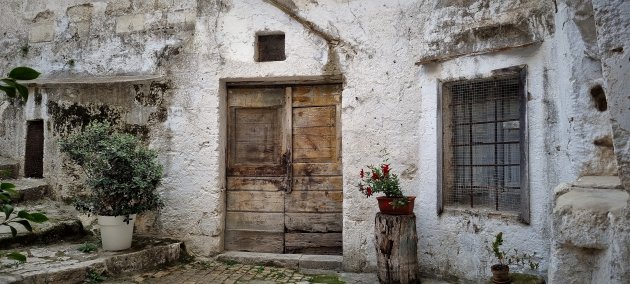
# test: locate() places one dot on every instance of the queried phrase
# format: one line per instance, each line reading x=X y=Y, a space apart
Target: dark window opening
x=270 y=47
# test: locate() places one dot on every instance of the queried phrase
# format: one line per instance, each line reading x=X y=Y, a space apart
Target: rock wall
x=392 y=56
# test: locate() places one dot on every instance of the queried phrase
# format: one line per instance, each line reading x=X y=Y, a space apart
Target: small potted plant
x=501 y=270
x=382 y=180
x=122 y=174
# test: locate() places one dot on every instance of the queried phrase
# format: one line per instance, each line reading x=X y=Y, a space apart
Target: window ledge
x=481 y=212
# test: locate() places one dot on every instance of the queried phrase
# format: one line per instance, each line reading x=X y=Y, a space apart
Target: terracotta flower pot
x=500 y=273
x=386 y=207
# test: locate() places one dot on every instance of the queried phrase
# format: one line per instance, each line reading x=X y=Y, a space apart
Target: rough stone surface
x=64 y=263
x=375 y=47
x=613 y=40
x=589 y=225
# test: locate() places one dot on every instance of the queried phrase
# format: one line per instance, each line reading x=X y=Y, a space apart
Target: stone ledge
x=63 y=263
x=29 y=189
x=598 y=182
x=293 y=261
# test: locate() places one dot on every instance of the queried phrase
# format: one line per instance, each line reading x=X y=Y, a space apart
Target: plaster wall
x=389 y=102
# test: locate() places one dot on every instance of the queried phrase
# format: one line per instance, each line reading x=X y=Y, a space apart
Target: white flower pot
x=116 y=234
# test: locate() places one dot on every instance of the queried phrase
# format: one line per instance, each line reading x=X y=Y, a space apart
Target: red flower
x=368 y=192
x=362 y=173
x=374 y=176
x=385 y=169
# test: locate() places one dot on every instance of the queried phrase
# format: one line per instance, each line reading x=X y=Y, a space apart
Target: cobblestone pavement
x=211 y=271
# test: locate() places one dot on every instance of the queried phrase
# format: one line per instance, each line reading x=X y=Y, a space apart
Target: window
x=270 y=47
x=484 y=143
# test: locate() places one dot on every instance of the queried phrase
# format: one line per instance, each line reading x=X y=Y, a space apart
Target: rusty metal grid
x=485 y=146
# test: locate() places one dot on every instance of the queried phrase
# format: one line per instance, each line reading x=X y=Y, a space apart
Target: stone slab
x=65 y=264
x=327 y=262
x=258 y=258
x=129 y=23
x=595 y=200
x=29 y=189
x=43 y=32
x=598 y=182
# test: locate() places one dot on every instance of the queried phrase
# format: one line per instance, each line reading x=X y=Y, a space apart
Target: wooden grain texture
x=314 y=222
x=313 y=243
x=316 y=169
x=396 y=243
x=273 y=222
x=258 y=241
x=314 y=201
x=329 y=183
x=260 y=201
x=255 y=183
x=323 y=116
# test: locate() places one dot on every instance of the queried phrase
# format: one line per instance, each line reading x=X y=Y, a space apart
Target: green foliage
x=512 y=258
x=88 y=247
x=11 y=87
x=94 y=277
x=328 y=279
x=122 y=173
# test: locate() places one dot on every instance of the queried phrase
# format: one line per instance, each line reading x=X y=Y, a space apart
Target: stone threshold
x=292 y=261
x=64 y=263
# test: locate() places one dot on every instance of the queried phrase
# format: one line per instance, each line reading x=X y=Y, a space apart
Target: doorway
x=284 y=180
x=34 y=149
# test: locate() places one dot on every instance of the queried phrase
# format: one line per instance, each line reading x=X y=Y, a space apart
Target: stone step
x=8 y=168
x=293 y=261
x=29 y=188
x=63 y=224
x=64 y=263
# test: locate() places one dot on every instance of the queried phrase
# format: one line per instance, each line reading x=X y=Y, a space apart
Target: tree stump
x=396 y=248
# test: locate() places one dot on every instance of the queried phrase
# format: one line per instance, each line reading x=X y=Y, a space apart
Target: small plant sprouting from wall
x=88 y=247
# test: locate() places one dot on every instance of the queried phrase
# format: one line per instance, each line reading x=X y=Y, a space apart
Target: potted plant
x=122 y=174
x=382 y=180
x=501 y=270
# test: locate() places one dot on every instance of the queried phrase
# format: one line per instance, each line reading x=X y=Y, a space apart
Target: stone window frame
x=442 y=109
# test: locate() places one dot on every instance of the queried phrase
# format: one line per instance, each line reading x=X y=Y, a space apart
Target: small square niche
x=270 y=47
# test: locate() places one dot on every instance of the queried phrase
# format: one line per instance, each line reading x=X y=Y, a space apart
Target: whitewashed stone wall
x=392 y=55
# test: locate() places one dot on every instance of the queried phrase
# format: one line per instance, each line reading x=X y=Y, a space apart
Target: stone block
x=163 y=4
x=129 y=23
x=581 y=216
x=258 y=258
x=327 y=262
x=598 y=182
x=80 y=13
x=118 y=6
x=43 y=32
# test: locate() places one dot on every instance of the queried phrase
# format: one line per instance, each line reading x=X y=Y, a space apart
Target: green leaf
x=4 y=197
x=26 y=224
x=13 y=231
x=37 y=217
x=24 y=73
x=10 y=91
x=5 y=186
x=9 y=82
x=22 y=90
x=7 y=209
x=16 y=256
x=23 y=214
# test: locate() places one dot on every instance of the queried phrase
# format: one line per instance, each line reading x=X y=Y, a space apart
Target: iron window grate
x=482 y=143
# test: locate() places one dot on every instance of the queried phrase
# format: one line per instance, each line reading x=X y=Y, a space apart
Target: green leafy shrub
x=121 y=172
x=508 y=257
x=87 y=247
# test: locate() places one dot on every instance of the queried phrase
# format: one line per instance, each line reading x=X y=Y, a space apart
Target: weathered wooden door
x=284 y=184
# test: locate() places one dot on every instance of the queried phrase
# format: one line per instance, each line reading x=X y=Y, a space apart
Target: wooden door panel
x=255 y=183
x=316 y=169
x=272 y=222
x=313 y=243
x=323 y=116
x=259 y=201
x=258 y=241
x=333 y=183
x=316 y=95
x=314 y=222
x=313 y=201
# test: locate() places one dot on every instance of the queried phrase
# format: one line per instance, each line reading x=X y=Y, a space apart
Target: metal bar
x=470 y=137
x=496 y=154
x=487 y=143
x=486 y=122
x=488 y=165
